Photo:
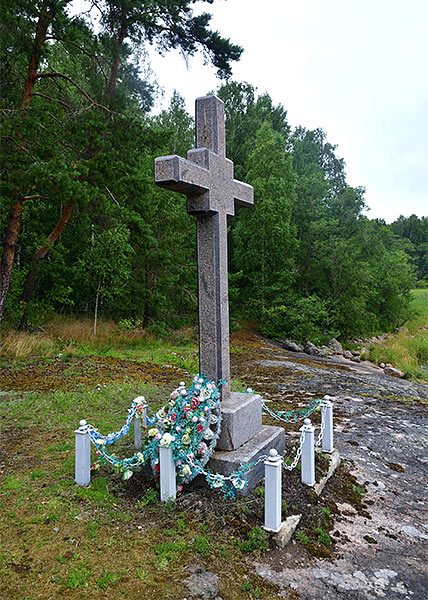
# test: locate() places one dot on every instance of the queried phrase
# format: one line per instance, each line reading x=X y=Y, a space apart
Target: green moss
x=258 y=539
x=77 y=577
x=202 y=546
x=323 y=536
x=302 y=537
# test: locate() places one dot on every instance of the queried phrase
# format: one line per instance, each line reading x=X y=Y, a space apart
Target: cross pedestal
x=206 y=178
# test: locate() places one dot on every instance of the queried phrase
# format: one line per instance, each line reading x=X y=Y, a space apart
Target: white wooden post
x=140 y=420
x=273 y=491
x=82 y=472
x=168 y=486
x=308 y=454
x=327 y=417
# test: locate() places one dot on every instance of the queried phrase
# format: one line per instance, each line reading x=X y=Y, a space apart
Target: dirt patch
x=75 y=373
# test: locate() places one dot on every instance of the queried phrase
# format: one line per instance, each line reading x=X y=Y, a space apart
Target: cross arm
x=181 y=175
x=243 y=193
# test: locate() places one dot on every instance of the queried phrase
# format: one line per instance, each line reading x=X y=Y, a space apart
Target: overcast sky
x=356 y=68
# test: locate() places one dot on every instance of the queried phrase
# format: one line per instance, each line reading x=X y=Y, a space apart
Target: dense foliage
x=83 y=229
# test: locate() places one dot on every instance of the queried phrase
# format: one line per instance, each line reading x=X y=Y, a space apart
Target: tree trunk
x=111 y=84
x=33 y=275
x=15 y=214
x=97 y=298
x=33 y=64
x=6 y=264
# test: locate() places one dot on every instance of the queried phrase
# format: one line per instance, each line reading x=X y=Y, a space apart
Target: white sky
x=356 y=68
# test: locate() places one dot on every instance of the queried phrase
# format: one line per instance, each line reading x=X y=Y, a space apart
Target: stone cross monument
x=206 y=178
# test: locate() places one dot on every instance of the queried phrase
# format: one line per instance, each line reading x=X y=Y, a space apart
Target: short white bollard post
x=273 y=491
x=168 y=485
x=82 y=472
x=308 y=453
x=140 y=420
x=327 y=424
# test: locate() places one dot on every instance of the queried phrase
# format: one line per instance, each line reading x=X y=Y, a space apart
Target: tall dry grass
x=74 y=337
x=21 y=345
x=408 y=350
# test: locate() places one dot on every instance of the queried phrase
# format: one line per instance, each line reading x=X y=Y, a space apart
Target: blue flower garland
x=291 y=416
x=189 y=423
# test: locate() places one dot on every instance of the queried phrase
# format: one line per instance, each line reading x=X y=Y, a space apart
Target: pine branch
x=54 y=100
x=77 y=86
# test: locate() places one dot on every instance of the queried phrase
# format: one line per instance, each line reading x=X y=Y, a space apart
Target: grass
x=69 y=337
x=408 y=351
x=112 y=538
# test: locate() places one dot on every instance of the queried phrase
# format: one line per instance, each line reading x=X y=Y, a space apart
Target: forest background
x=84 y=230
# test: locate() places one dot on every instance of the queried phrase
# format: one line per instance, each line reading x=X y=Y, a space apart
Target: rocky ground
x=381 y=431
x=379 y=536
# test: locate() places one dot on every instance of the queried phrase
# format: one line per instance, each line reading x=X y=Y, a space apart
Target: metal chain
x=323 y=421
x=298 y=453
x=224 y=477
x=279 y=417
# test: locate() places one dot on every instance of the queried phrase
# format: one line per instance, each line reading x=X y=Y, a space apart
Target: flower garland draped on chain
x=190 y=424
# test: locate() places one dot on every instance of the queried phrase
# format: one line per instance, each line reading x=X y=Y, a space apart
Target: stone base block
x=226 y=462
x=241 y=420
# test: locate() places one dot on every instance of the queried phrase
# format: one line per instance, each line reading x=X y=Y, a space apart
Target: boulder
x=355 y=358
x=202 y=584
x=393 y=372
x=355 y=352
x=292 y=346
x=347 y=354
x=325 y=351
x=403 y=329
x=335 y=346
x=311 y=349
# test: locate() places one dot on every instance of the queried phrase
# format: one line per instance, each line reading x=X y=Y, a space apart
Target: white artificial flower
x=208 y=435
x=238 y=483
x=218 y=481
x=160 y=414
x=166 y=440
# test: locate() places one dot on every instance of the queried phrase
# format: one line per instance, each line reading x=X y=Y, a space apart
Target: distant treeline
x=84 y=230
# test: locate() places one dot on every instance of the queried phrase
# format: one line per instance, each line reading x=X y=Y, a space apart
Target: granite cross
x=206 y=178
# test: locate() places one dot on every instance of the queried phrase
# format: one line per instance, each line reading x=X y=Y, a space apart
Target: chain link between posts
x=298 y=453
x=323 y=422
x=291 y=416
x=138 y=409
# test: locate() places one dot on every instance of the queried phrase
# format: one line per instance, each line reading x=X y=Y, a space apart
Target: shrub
x=306 y=319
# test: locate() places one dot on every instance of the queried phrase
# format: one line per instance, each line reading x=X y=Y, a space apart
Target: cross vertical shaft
x=211 y=240
x=206 y=177
x=211 y=231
